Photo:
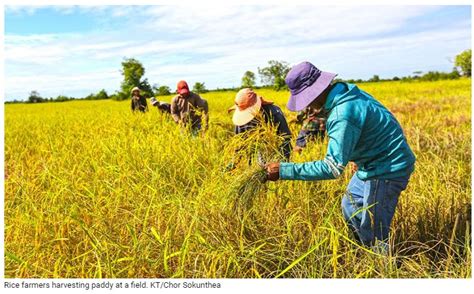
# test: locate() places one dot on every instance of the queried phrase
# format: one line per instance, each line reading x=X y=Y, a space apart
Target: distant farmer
x=313 y=126
x=162 y=106
x=362 y=130
x=189 y=108
x=138 y=101
x=248 y=105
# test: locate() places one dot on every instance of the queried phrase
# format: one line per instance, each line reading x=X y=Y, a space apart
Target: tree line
x=274 y=74
x=271 y=76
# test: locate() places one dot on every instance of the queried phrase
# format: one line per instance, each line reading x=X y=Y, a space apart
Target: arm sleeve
x=133 y=105
x=174 y=111
x=205 y=110
x=145 y=104
x=343 y=137
x=283 y=129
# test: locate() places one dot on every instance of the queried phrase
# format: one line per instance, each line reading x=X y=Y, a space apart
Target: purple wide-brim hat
x=306 y=83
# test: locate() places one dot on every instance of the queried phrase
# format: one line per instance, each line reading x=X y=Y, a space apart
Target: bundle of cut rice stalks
x=252 y=151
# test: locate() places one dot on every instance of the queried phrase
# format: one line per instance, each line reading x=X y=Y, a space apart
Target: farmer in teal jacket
x=362 y=130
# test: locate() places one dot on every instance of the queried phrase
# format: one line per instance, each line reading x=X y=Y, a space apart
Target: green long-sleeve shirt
x=362 y=130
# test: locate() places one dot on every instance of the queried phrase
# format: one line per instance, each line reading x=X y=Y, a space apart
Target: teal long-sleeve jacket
x=362 y=130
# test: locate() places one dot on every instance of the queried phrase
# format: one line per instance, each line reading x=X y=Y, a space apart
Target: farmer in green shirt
x=362 y=130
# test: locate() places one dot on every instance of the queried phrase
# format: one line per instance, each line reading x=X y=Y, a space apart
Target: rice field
x=95 y=191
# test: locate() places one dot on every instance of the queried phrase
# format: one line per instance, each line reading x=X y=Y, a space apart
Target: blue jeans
x=368 y=207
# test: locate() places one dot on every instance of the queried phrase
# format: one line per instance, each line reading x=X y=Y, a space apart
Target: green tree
x=91 y=96
x=436 y=76
x=35 y=97
x=101 y=95
x=280 y=83
x=274 y=74
x=132 y=72
x=248 y=80
x=146 y=89
x=61 y=98
x=161 y=90
x=454 y=74
x=199 y=88
x=463 y=62
x=375 y=78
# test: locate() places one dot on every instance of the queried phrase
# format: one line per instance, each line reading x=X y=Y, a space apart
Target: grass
x=92 y=190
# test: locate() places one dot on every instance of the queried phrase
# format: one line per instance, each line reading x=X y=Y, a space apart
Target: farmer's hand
x=273 y=171
x=354 y=167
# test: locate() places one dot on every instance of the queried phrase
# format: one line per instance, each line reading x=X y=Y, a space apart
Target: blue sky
x=77 y=50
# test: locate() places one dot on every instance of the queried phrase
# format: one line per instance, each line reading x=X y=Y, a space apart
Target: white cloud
x=53 y=85
x=30 y=39
x=22 y=9
x=303 y=23
x=217 y=45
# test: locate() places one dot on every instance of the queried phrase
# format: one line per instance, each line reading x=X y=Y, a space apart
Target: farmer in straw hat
x=362 y=130
x=188 y=107
x=138 y=101
x=248 y=105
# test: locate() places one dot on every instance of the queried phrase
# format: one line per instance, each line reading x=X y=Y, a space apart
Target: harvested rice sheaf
x=250 y=185
x=251 y=152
